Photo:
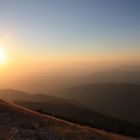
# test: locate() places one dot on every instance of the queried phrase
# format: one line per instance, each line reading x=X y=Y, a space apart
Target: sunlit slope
x=82 y=115
x=70 y=111
x=19 y=123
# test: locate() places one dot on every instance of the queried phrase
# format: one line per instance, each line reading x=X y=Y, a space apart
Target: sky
x=48 y=34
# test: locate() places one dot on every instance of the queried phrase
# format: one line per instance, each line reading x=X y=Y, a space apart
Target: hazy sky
x=57 y=26
x=45 y=33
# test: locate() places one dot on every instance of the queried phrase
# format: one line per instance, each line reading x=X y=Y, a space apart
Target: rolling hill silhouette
x=19 y=123
x=58 y=81
x=70 y=111
x=119 y=100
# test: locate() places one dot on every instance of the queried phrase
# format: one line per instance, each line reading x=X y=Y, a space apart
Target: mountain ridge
x=19 y=123
x=115 y=99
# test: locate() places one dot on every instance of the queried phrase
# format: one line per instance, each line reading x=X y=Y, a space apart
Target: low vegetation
x=19 y=123
x=84 y=116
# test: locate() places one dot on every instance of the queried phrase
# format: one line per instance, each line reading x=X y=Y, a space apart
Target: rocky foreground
x=19 y=123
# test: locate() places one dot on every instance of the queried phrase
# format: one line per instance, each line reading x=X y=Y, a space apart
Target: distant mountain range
x=52 y=83
x=114 y=76
x=119 y=100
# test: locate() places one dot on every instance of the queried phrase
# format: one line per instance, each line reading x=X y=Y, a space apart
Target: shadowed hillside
x=18 y=123
x=70 y=111
x=12 y=95
x=119 y=100
x=84 y=116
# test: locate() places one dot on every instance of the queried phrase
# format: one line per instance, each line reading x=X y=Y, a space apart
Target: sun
x=2 y=55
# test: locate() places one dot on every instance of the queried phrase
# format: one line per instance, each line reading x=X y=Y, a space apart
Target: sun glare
x=2 y=55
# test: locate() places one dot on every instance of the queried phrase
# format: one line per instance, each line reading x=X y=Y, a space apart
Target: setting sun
x=2 y=55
